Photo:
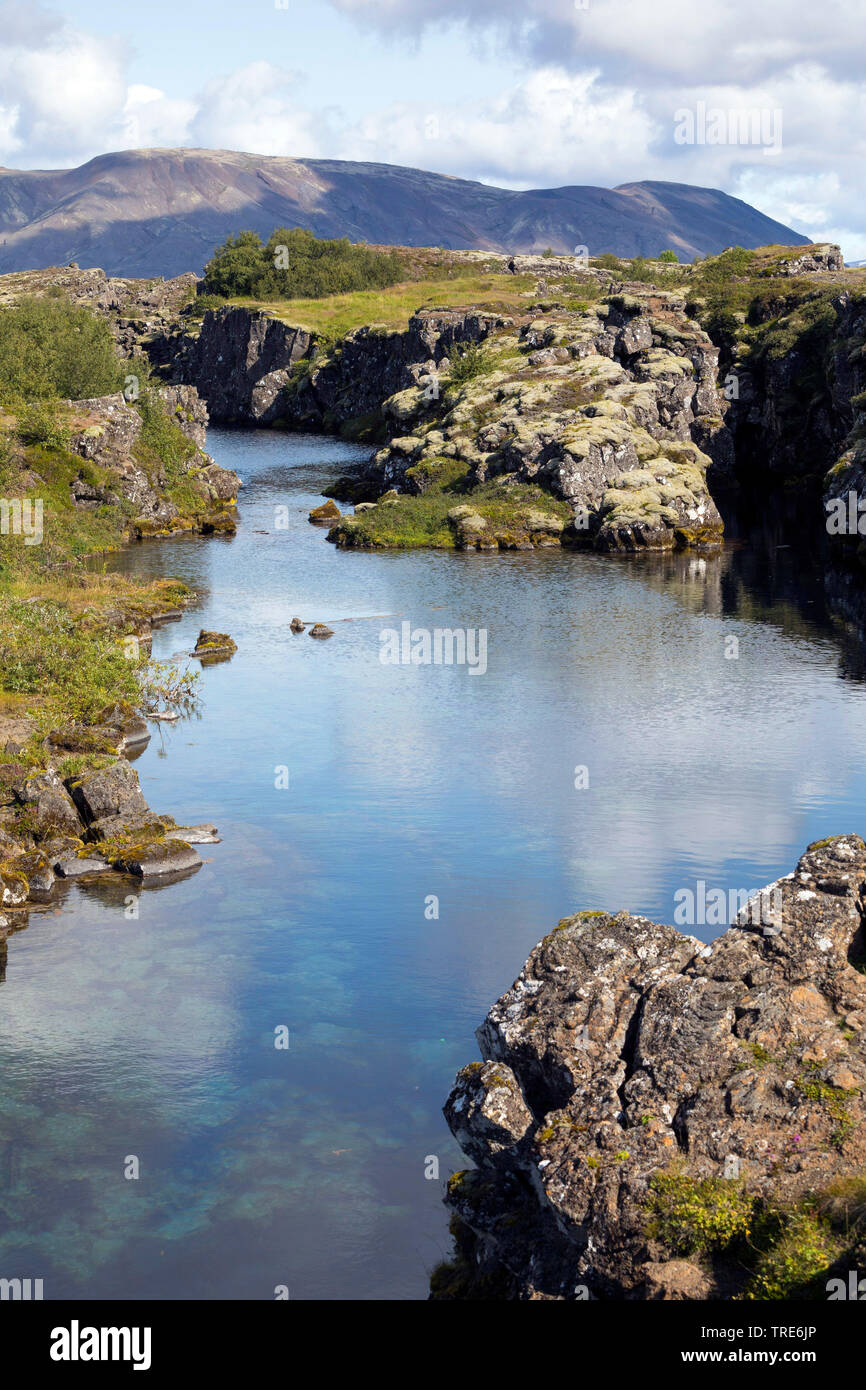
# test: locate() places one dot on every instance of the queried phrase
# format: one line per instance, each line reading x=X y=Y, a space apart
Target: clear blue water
x=155 y=1037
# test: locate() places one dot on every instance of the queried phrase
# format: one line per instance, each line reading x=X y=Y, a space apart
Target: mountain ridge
x=162 y=211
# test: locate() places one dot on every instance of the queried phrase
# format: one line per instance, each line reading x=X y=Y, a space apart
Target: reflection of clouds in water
x=151 y=988
x=690 y=755
x=156 y=1037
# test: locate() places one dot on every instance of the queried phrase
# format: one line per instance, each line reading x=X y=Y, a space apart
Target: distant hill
x=162 y=212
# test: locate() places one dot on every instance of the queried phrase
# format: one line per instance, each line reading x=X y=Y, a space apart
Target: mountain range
x=162 y=211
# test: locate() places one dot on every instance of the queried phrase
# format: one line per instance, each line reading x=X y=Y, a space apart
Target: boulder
x=214 y=645
x=77 y=867
x=14 y=887
x=51 y=808
x=325 y=515
x=109 y=798
x=644 y=1098
x=36 y=868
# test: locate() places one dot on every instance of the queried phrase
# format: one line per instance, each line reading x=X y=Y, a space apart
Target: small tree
x=670 y=256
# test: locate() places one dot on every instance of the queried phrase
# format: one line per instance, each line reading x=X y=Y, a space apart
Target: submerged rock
x=155 y=858
x=646 y=1101
x=195 y=834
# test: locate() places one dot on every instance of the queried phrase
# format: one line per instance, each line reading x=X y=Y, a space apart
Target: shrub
x=798 y=1258
x=670 y=256
x=41 y=423
x=692 y=1216
x=161 y=440
x=50 y=348
x=294 y=264
x=202 y=302
x=43 y=651
x=467 y=362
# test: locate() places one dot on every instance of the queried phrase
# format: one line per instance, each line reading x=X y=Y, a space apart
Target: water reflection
x=154 y=1035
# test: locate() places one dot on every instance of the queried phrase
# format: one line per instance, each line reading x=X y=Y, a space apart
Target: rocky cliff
x=657 y=1118
x=190 y=492
x=794 y=390
x=240 y=362
x=610 y=408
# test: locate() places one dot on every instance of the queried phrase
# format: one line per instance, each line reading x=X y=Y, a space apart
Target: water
x=154 y=1037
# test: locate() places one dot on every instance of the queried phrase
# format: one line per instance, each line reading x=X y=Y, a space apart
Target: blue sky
x=562 y=91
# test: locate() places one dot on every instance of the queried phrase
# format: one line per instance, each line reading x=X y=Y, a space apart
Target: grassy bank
x=392 y=308
x=64 y=660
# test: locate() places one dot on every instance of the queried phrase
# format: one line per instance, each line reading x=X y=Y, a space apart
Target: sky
x=521 y=95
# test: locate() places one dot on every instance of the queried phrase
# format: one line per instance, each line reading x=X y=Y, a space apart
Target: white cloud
x=556 y=127
x=632 y=39
x=62 y=89
x=255 y=109
x=595 y=102
x=153 y=120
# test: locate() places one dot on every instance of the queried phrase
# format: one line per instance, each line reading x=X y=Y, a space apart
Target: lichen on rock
x=646 y=1102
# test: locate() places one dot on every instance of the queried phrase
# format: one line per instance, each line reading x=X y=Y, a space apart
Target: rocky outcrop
x=816 y=260
x=795 y=376
x=608 y=409
x=107 y=432
x=137 y=310
x=214 y=646
x=240 y=363
x=55 y=826
x=188 y=411
x=655 y=1117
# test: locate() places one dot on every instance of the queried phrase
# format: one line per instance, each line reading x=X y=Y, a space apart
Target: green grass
x=391 y=308
x=412 y=522
x=63 y=658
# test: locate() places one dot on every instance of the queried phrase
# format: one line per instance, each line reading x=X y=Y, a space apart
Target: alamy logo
x=20 y=1290
x=756 y=125
x=846 y=516
x=713 y=907
x=853 y=1291
x=77 y=1343
x=443 y=646
x=22 y=517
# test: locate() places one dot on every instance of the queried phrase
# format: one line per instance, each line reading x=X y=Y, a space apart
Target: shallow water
x=154 y=1036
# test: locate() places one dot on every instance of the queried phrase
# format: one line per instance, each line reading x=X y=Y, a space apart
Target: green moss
x=408 y=521
x=835 y=1100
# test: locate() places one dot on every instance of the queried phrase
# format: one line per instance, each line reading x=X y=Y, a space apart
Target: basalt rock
x=240 y=362
x=106 y=431
x=631 y=1066
x=796 y=414
x=605 y=409
x=326 y=514
x=50 y=808
x=155 y=859
x=109 y=798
